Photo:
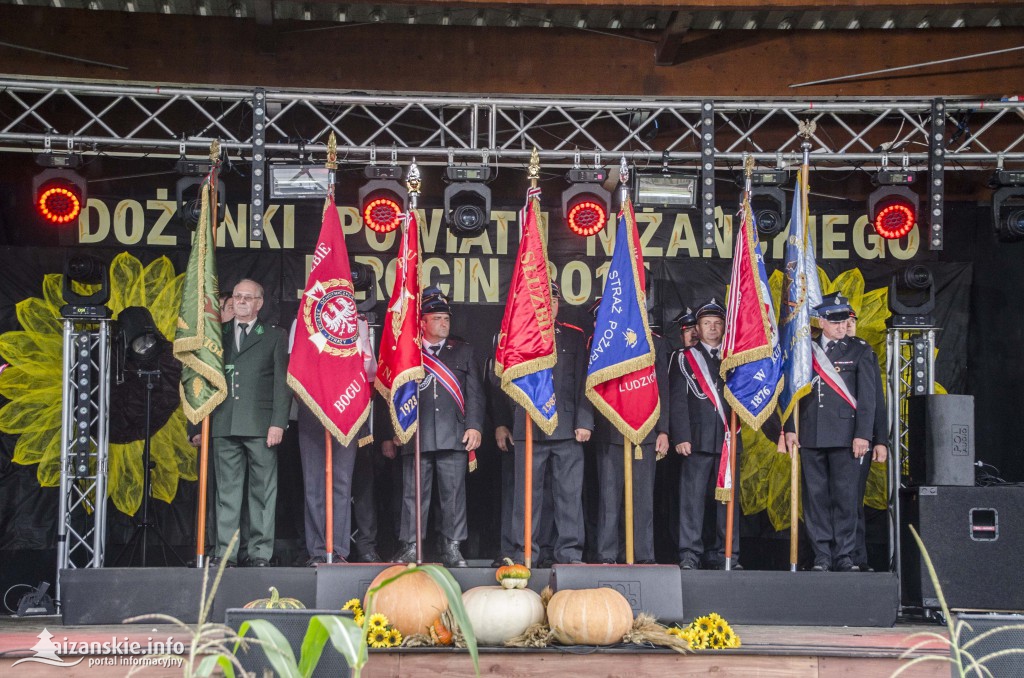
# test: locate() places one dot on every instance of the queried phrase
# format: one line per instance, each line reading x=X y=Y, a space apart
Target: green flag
x=197 y=340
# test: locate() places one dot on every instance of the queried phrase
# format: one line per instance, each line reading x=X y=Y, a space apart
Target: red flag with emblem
x=326 y=369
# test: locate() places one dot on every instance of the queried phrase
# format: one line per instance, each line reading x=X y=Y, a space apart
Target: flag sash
x=445 y=377
x=701 y=373
x=828 y=374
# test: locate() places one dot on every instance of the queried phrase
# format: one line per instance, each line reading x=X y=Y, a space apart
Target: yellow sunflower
x=358 y=618
x=395 y=637
x=354 y=605
x=33 y=384
x=378 y=621
x=379 y=638
x=702 y=625
x=716 y=642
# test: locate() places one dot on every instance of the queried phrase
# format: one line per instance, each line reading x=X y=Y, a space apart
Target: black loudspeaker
x=1007 y=632
x=941 y=443
x=654 y=589
x=292 y=624
x=975 y=536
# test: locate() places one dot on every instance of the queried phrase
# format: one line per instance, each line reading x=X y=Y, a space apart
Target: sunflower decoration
x=764 y=474
x=379 y=638
x=377 y=621
x=395 y=637
x=709 y=632
x=33 y=384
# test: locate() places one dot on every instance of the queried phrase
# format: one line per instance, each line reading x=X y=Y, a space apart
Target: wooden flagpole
x=413 y=185
x=730 y=509
x=627 y=451
x=204 y=440
x=332 y=166
x=534 y=174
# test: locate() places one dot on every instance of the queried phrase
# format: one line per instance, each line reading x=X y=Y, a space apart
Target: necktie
x=243 y=332
x=714 y=353
x=831 y=345
x=435 y=349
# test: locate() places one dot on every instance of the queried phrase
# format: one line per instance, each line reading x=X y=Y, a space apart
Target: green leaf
x=278 y=650
x=346 y=636
x=211 y=661
x=452 y=590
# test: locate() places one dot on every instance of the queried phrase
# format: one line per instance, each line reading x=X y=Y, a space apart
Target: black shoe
x=406 y=553
x=845 y=565
x=821 y=566
x=215 y=563
x=316 y=560
x=576 y=561
x=545 y=563
x=368 y=556
x=864 y=567
x=607 y=561
x=258 y=562
x=688 y=562
x=646 y=562
x=451 y=556
x=339 y=559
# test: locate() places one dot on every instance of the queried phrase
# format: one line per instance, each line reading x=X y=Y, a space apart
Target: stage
x=791 y=651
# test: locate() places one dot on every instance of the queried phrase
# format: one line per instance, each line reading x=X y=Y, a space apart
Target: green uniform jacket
x=258 y=392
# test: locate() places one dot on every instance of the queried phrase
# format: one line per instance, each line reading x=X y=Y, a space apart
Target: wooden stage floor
x=767 y=651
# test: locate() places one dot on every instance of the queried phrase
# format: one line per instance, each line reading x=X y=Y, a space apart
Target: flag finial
x=413 y=181
x=215 y=151
x=534 y=172
x=332 y=152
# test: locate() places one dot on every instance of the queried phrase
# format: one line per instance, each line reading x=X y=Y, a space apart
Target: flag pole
x=627 y=452
x=332 y=166
x=806 y=130
x=204 y=441
x=534 y=174
x=412 y=183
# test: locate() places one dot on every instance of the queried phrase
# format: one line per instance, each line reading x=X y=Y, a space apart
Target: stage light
x=664 y=189
x=85 y=270
x=383 y=199
x=59 y=196
x=767 y=200
x=298 y=182
x=585 y=204
x=892 y=207
x=190 y=200
x=912 y=297
x=138 y=338
x=467 y=200
x=1008 y=206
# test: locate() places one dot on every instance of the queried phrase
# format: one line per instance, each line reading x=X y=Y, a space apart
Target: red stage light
x=895 y=219
x=59 y=202
x=382 y=213
x=587 y=215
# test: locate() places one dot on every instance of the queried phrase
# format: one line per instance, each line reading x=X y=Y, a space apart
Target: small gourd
x=275 y=602
x=512 y=575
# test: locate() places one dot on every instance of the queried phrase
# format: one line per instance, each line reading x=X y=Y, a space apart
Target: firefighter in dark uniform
x=560 y=454
x=609 y=447
x=837 y=423
x=698 y=431
x=879 y=449
x=447 y=435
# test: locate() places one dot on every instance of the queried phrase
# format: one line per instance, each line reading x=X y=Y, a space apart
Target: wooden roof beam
x=667 y=51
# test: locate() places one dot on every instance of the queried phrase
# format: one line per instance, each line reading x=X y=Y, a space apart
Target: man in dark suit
x=560 y=454
x=609 y=446
x=451 y=414
x=879 y=450
x=249 y=424
x=698 y=428
x=837 y=422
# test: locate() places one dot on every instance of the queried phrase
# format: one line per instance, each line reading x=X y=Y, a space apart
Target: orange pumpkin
x=411 y=603
x=589 y=616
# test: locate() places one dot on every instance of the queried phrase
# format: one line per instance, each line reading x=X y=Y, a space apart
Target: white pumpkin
x=498 y=614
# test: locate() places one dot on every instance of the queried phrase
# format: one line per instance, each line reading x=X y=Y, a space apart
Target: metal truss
x=128 y=120
x=82 y=530
x=910 y=371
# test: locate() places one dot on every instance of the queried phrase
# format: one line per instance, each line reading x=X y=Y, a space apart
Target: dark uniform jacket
x=693 y=416
x=442 y=423
x=606 y=434
x=258 y=392
x=574 y=408
x=826 y=419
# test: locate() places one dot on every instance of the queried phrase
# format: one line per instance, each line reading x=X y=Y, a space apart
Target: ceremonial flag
x=326 y=367
x=525 y=354
x=400 y=366
x=801 y=292
x=621 y=379
x=197 y=339
x=751 y=356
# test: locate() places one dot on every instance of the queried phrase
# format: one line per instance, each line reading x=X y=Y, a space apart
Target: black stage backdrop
x=475 y=274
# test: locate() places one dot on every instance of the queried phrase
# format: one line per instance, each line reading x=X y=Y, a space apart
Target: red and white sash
x=723 y=488
x=828 y=374
x=444 y=376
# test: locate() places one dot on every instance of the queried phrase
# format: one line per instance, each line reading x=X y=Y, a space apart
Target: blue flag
x=801 y=292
